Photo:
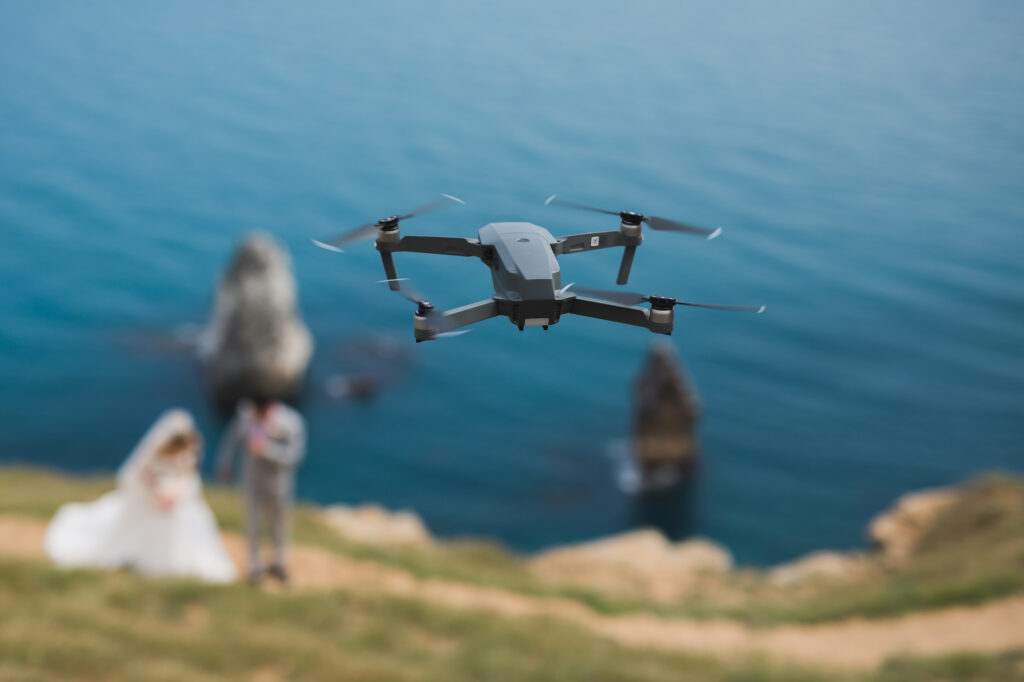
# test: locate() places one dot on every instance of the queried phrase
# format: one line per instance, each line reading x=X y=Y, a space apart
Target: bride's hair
x=178 y=443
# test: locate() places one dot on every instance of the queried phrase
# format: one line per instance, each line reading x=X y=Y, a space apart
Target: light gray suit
x=268 y=480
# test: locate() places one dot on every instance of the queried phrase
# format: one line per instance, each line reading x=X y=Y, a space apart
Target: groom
x=273 y=438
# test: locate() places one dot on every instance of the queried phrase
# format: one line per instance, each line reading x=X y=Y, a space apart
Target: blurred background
x=865 y=160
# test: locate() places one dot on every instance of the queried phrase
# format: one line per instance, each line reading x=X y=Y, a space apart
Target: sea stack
x=256 y=342
x=665 y=415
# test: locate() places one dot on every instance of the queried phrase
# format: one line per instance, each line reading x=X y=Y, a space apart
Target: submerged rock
x=256 y=342
x=665 y=415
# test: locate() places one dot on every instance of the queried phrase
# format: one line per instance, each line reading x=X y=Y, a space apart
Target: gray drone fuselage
x=525 y=270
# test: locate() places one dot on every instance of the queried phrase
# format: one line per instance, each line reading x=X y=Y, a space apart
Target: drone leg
x=627 y=263
x=389 y=270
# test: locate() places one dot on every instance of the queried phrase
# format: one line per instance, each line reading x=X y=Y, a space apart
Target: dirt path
x=854 y=644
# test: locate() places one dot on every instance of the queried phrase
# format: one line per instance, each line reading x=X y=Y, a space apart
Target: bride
x=156 y=521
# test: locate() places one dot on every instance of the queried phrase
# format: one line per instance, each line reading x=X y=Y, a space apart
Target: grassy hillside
x=974 y=551
x=84 y=625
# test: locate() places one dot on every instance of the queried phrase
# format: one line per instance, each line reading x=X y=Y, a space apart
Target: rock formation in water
x=665 y=415
x=256 y=342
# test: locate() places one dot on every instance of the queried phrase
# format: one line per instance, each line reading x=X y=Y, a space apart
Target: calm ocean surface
x=866 y=161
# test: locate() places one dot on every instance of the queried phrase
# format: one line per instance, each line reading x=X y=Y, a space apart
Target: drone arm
x=454 y=319
x=469 y=314
x=589 y=241
x=389 y=270
x=613 y=312
x=445 y=246
x=626 y=264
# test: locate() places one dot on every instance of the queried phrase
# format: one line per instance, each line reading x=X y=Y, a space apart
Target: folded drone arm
x=613 y=312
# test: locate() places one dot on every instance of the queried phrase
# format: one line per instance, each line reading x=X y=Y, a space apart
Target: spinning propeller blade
x=435 y=317
x=632 y=299
x=656 y=223
x=406 y=289
x=653 y=222
x=368 y=230
x=445 y=200
x=553 y=199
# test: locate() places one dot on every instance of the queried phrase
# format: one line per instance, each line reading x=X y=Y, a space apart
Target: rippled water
x=866 y=162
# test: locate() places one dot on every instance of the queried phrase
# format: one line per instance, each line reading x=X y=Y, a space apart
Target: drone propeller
x=561 y=292
x=631 y=299
x=653 y=222
x=435 y=318
x=391 y=222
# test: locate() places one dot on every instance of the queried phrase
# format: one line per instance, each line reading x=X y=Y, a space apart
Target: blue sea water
x=866 y=161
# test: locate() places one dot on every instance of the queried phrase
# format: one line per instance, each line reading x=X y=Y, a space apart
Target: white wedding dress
x=128 y=528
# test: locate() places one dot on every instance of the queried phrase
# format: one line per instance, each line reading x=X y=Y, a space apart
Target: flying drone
x=523 y=259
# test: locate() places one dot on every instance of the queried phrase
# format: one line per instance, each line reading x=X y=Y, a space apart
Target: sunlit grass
x=973 y=552
x=80 y=625
x=83 y=625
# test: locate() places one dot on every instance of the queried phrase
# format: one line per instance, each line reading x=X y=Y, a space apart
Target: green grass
x=84 y=625
x=973 y=552
x=80 y=625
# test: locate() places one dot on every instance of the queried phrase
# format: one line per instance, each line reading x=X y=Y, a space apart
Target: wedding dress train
x=156 y=521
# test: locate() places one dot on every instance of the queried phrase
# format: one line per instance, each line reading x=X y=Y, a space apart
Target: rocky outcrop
x=895 y=535
x=639 y=562
x=896 y=532
x=665 y=416
x=256 y=342
x=374 y=525
x=818 y=566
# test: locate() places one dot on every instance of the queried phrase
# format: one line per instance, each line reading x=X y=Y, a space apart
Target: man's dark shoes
x=279 y=573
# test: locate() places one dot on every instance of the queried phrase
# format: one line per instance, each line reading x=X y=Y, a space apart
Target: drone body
x=523 y=260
